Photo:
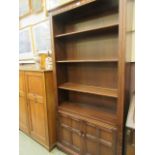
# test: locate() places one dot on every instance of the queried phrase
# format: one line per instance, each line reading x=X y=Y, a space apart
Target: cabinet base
x=66 y=149
x=49 y=148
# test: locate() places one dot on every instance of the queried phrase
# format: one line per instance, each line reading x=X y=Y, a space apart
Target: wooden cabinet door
x=23 y=109
x=99 y=140
x=69 y=133
x=37 y=121
x=35 y=83
x=37 y=106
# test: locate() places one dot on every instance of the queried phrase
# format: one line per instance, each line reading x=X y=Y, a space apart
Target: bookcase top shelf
x=89 y=89
x=87 y=61
x=99 y=29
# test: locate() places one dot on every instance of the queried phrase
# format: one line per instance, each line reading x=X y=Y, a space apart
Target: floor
x=27 y=146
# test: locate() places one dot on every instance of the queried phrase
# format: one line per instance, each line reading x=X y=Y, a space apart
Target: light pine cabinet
x=40 y=107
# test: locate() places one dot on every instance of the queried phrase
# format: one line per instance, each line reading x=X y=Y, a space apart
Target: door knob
x=82 y=134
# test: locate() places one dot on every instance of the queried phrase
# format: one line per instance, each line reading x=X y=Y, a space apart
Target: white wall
x=32 y=19
x=130 y=31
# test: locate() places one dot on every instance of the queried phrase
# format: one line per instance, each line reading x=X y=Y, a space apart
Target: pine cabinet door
x=37 y=121
x=23 y=115
x=23 y=109
x=37 y=106
x=35 y=83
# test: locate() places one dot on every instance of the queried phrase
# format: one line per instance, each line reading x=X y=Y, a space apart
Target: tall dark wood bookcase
x=90 y=68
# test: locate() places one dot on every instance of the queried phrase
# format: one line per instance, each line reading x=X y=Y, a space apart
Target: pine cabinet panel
x=21 y=81
x=23 y=115
x=37 y=121
x=35 y=83
x=23 y=110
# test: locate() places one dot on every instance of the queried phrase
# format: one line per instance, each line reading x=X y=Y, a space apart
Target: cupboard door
x=23 y=115
x=23 y=109
x=99 y=140
x=35 y=84
x=37 y=121
x=37 y=106
x=69 y=133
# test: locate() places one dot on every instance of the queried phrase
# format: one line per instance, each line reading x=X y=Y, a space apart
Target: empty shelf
x=87 y=61
x=89 y=89
x=107 y=27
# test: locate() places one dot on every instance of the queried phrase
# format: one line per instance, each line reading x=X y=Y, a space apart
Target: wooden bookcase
x=90 y=75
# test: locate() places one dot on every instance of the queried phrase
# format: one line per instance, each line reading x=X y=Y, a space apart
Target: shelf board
x=83 y=110
x=107 y=27
x=87 y=61
x=89 y=89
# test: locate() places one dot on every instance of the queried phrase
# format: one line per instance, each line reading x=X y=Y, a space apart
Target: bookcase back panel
x=63 y=96
x=97 y=14
x=94 y=101
x=94 y=74
x=87 y=23
x=62 y=75
x=60 y=52
x=89 y=47
x=88 y=101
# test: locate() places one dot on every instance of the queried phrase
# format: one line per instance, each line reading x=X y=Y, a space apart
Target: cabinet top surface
x=33 y=69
